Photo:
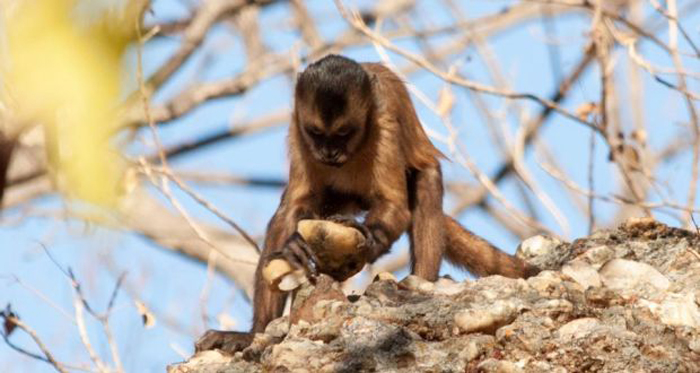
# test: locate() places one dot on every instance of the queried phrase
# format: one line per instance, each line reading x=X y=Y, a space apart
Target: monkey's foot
x=227 y=342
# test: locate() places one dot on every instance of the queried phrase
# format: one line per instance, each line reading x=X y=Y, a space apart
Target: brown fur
x=478 y=256
x=389 y=168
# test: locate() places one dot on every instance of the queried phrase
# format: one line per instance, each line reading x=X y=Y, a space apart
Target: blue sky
x=172 y=285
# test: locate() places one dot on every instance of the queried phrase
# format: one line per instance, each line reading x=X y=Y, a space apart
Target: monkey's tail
x=480 y=257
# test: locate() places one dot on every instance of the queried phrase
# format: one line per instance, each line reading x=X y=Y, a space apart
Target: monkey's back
x=419 y=151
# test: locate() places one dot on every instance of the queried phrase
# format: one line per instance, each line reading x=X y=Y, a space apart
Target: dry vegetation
x=625 y=54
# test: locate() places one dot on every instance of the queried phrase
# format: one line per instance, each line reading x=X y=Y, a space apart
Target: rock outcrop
x=622 y=300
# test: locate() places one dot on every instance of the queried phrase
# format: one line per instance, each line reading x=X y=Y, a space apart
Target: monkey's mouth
x=337 y=161
x=333 y=162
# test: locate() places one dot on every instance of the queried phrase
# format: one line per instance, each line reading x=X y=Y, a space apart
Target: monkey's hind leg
x=427 y=226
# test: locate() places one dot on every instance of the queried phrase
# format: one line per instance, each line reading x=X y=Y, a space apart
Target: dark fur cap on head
x=331 y=80
x=335 y=74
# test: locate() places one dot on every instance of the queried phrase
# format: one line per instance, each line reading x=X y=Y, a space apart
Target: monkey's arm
x=280 y=242
x=386 y=221
x=389 y=215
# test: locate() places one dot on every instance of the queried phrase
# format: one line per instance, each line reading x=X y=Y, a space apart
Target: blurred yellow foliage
x=66 y=75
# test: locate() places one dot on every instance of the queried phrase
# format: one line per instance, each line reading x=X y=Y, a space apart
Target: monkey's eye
x=345 y=132
x=314 y=131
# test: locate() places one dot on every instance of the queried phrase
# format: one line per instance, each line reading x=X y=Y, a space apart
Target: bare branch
x=11 y=318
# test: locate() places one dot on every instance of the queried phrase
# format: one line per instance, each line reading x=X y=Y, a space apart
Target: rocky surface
x=622 y=300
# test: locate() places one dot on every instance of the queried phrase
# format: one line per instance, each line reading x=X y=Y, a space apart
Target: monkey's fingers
x=300 y=255
x=347 y=221
x=351 y=222
x=372 y=247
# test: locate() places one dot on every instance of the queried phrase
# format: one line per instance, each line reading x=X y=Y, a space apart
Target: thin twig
x=79 y=305
x=48 y=356
x=204 y=294
x=356 y=21
x=164 y=162
x=591 y=183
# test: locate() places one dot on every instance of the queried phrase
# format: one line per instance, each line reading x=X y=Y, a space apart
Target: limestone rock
x=583 y=273
x=542 y=251
x=578 y=328
x=621 y=274
x=486 y=320
x=676 y=310
x=621 y=300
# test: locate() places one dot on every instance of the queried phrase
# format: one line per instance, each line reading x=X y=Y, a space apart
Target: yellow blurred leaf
x=66 y=75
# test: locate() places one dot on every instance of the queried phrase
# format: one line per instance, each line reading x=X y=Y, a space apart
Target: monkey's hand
x=227 y=342
x=298 y=254
x=372 y=248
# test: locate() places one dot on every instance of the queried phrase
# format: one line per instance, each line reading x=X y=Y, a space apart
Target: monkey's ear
x=373 y=78
x=373 y=83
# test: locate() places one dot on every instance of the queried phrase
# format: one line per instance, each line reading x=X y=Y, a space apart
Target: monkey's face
x=332 y=125
x=333 y=104
x=333 y=143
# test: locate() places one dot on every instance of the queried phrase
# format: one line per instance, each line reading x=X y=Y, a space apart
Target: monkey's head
x=333 y=108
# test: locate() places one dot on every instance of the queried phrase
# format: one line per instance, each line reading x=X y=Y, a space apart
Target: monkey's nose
x=330 y=153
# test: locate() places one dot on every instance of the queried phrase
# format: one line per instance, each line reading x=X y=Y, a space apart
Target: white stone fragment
x=486 y=320
x=445 y=286
x=621 y=274
x=597 y=256
x=537 y=246
x=583 y=273
x=578 y=328
x=676 y=310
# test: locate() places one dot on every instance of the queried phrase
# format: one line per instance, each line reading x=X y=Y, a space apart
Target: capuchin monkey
x=356 y=145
